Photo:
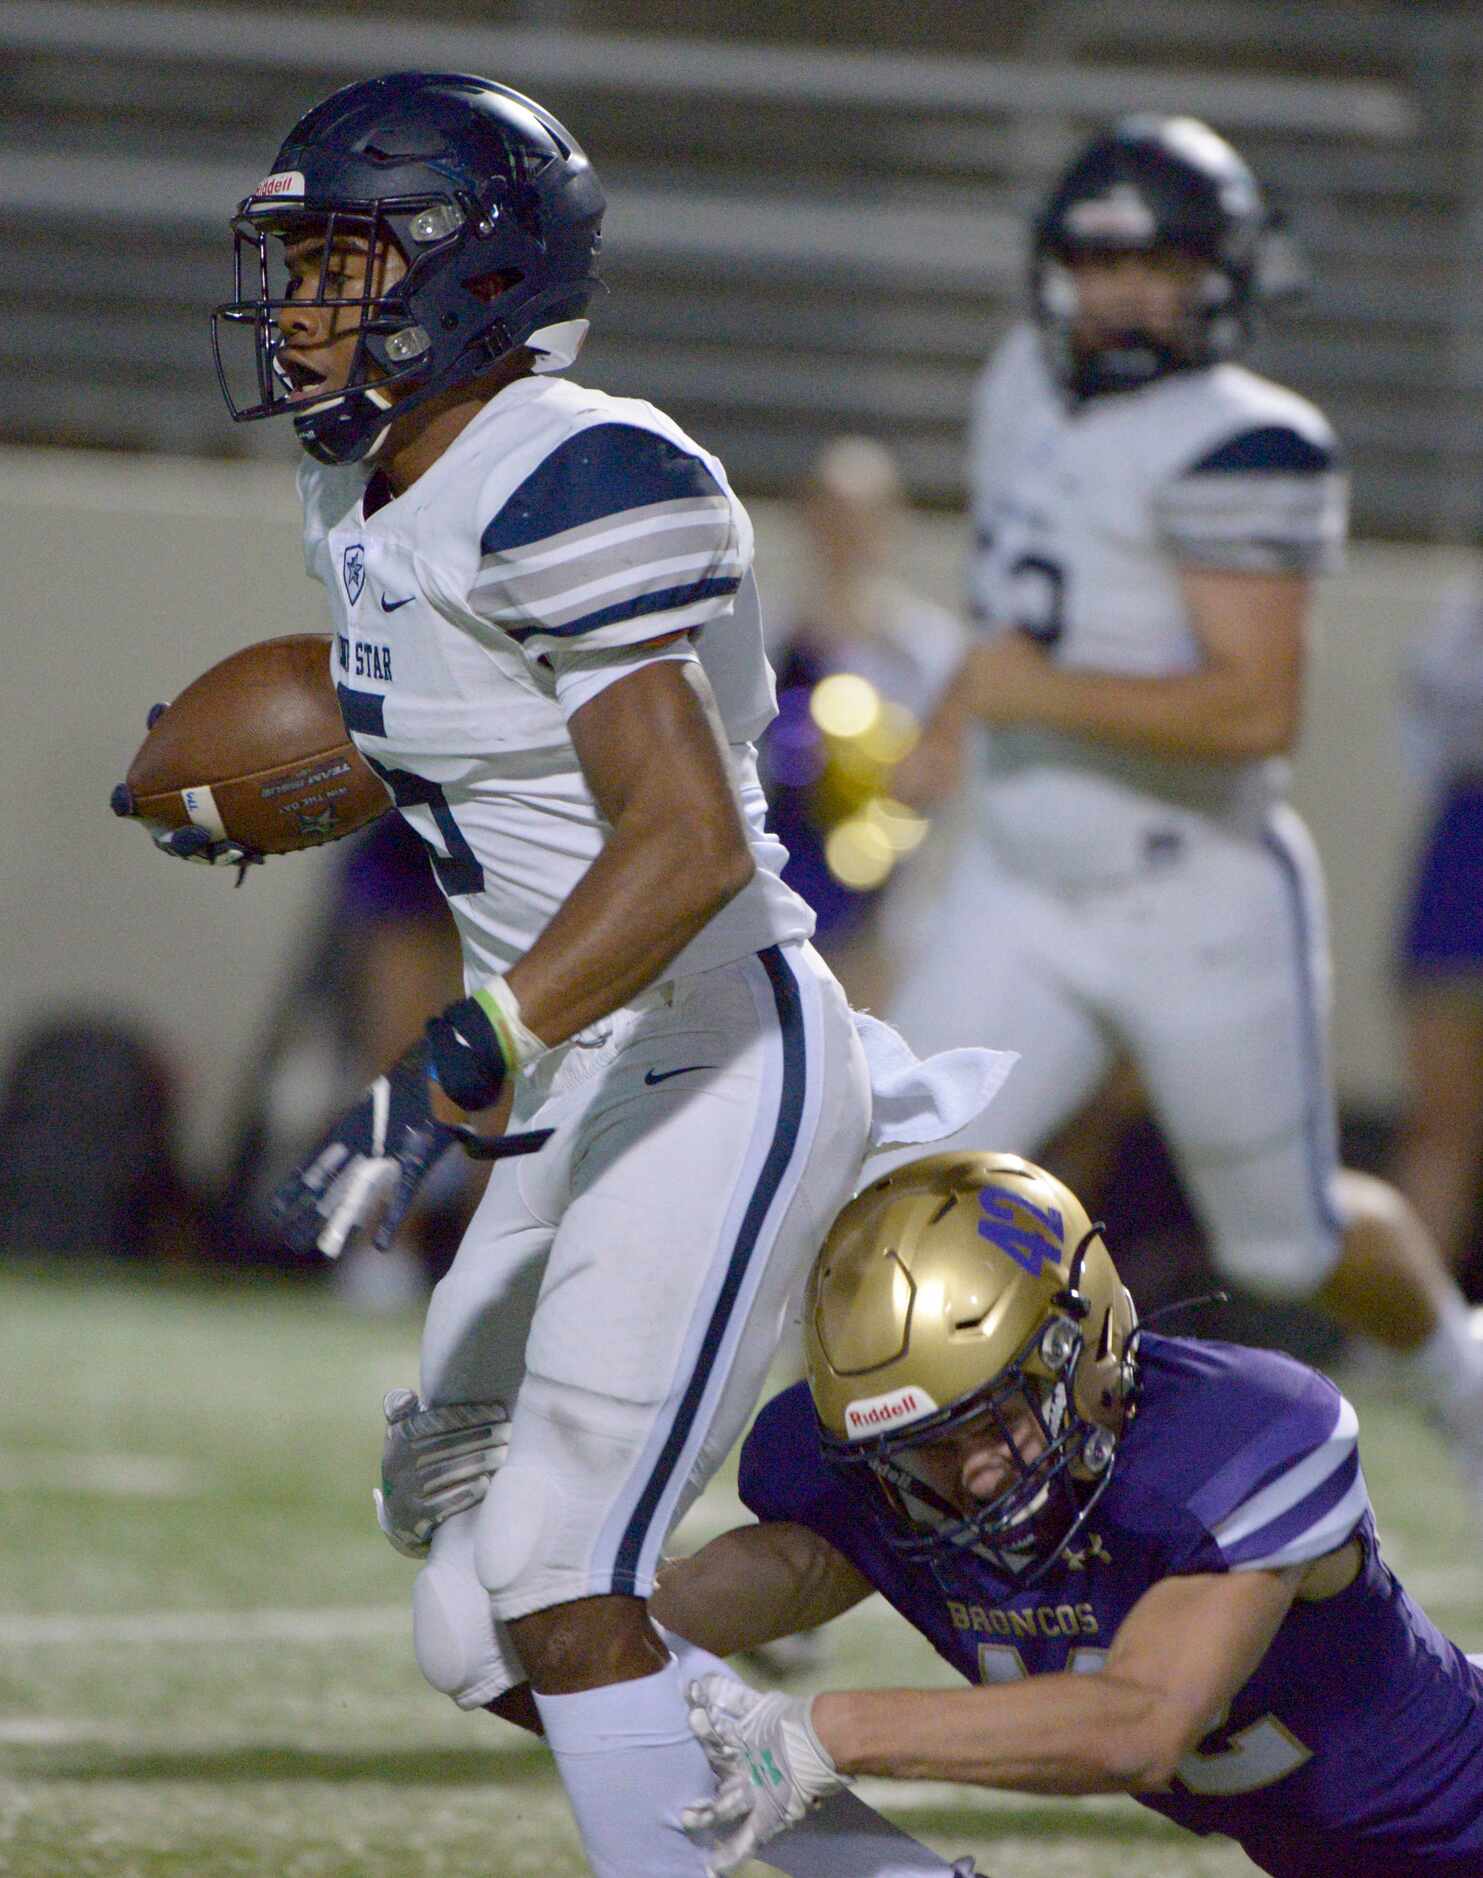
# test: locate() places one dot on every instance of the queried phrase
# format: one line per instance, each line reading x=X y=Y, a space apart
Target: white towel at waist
x=915 y=1101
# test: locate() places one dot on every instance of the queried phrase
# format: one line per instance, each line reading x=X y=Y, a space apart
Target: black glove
x=190 y=843
x=383 y=1148
x=194 y=843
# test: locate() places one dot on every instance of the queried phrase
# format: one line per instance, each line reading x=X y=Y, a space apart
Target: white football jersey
x=560 y=534
x=1442 y=691
x=1083 y=517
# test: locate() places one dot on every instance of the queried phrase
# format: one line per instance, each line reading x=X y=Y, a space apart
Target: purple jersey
x=1357 y=1745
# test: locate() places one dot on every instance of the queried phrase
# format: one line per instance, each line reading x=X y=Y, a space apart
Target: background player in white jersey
x=1150 y=516
x=547 y=642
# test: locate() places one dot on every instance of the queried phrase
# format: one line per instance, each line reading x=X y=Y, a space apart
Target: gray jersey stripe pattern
x=1262 y=523
x=603 y=565
x=624 y=525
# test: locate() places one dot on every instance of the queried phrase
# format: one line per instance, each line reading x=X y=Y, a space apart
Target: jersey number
x=1037 y=598
x=457 y=868
x=1256 y=1756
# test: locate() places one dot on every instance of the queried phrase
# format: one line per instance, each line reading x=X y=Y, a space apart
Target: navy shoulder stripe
x=601 y=471
x=1271 y=447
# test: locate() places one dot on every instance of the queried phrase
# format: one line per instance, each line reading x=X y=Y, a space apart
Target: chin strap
x=332 y=432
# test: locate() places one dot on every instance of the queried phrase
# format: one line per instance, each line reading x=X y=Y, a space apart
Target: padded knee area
x=510 y=1526
x=1274 y=1218
x=460 y=1647
x=1285 y=1269
x=453 y=1634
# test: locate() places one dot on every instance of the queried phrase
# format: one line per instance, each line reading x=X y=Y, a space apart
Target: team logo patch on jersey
x=1030 y=1235
x=873 y=1413
x=355 y=571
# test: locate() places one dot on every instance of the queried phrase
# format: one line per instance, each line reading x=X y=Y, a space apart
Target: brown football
x=256 y=749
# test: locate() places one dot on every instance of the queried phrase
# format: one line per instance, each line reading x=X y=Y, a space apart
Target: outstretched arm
x=754 y=1584
x=1181 y=1655
x=751 y=1585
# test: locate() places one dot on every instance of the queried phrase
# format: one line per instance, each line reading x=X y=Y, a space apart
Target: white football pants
x=626 y=1289
x=1210 y=970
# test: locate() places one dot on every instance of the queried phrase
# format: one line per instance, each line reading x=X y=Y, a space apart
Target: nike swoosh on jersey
x=390 y=606
x=653 y=1076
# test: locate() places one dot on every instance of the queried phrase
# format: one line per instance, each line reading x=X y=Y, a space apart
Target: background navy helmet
x=494 y=208
x=1156 y=183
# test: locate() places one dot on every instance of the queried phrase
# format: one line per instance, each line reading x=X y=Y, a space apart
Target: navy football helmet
x=1152 y=184
x=490 y=203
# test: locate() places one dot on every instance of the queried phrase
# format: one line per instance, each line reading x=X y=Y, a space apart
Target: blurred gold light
x=902 y=827
x=858 y=853
x=844 y=705
x=891 y=736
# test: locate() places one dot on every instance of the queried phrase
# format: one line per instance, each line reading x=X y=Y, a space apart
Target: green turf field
x=205 y=1663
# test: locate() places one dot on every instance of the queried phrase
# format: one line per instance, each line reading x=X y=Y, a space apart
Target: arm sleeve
x=580 y=676
x=1291 y=1492
x=1269 y=499
x=617 y=537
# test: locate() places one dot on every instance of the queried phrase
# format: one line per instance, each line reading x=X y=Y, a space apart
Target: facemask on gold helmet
x=971 y=1292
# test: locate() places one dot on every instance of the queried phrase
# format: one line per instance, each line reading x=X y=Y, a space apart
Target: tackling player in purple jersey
x=1155 y=1555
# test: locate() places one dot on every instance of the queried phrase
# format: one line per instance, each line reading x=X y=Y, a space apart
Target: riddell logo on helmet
x=872 y=1413
x=281 y=183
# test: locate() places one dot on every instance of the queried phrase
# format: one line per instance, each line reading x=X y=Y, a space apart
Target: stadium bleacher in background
x=803 y=237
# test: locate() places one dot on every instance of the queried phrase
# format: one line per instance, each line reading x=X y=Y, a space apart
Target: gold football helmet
x=965 y=1290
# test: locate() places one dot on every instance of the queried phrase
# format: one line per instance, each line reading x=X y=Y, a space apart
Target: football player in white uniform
x=547 y=642
x=1150 y=516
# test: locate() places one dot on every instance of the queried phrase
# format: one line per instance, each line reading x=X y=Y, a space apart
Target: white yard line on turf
x=348 y=1623
x=38 y=1731
x=129 y=1476
x=329 y=1625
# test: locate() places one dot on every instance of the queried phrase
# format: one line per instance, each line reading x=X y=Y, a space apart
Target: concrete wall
x=125 y=577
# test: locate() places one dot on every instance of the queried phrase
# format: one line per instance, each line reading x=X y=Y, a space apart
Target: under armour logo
x=1092 y=1551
